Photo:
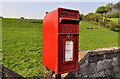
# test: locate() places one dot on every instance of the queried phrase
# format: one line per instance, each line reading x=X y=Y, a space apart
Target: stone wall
x=6 y=73
x=99 y=64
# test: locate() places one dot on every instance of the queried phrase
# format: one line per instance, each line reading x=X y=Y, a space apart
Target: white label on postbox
x=68 y=50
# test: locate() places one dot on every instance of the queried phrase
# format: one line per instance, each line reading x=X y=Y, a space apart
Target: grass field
x=22 y=46
x=116 y=20
x=22 y=43
x=96 y=38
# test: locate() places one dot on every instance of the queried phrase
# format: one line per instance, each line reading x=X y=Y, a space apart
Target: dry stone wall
x=101 y=63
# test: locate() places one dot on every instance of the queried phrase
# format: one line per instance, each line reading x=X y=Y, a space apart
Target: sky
x=34 y=9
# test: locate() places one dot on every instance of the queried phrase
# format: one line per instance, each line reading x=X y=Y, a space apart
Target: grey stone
x=100 y=57
x=101 y=65
x=116 y=69
x=83 y=70
x=92 y=68
x=100 y=74
x=107 y=72
x=110 y=56
x=114 y=61
x=117 y=76
x=83 y=62
x=119 y=60
x=93 y=59
x=85 y=76
x=76 y=74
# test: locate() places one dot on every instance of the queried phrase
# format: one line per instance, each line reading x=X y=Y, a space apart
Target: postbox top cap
x=67 y=9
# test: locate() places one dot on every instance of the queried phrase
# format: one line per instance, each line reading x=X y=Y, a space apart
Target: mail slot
x=61 y=40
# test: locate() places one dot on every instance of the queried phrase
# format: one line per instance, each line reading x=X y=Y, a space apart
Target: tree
x=81 y=16
x=102 y=9
x=88 y=16
x=117 y=5
x=109 y=6
x=96 y=17
x=115 y=15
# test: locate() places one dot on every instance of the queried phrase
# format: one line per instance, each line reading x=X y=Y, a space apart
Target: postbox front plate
x=68 y=51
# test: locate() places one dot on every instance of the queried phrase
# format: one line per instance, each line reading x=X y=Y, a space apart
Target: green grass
x=22 y=44
x=0 y=41
x=96 y=38
x=116 y=20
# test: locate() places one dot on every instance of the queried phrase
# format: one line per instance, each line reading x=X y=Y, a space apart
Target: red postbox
x=61 y=40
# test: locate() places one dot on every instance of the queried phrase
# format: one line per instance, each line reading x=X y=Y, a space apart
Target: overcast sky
x=33 y=9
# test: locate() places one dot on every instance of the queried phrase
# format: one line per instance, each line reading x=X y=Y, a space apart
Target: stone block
x=114 y=61
x=93 y=59
x=92 y=68
x=100 y=57
x=99 y=74
x=116 y=69
x=110 y=56
x=101 y=65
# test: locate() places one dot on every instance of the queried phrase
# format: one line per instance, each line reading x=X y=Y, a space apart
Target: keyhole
x=69 y=36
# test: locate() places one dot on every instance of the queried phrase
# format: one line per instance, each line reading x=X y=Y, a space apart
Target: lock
x=69 y=36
